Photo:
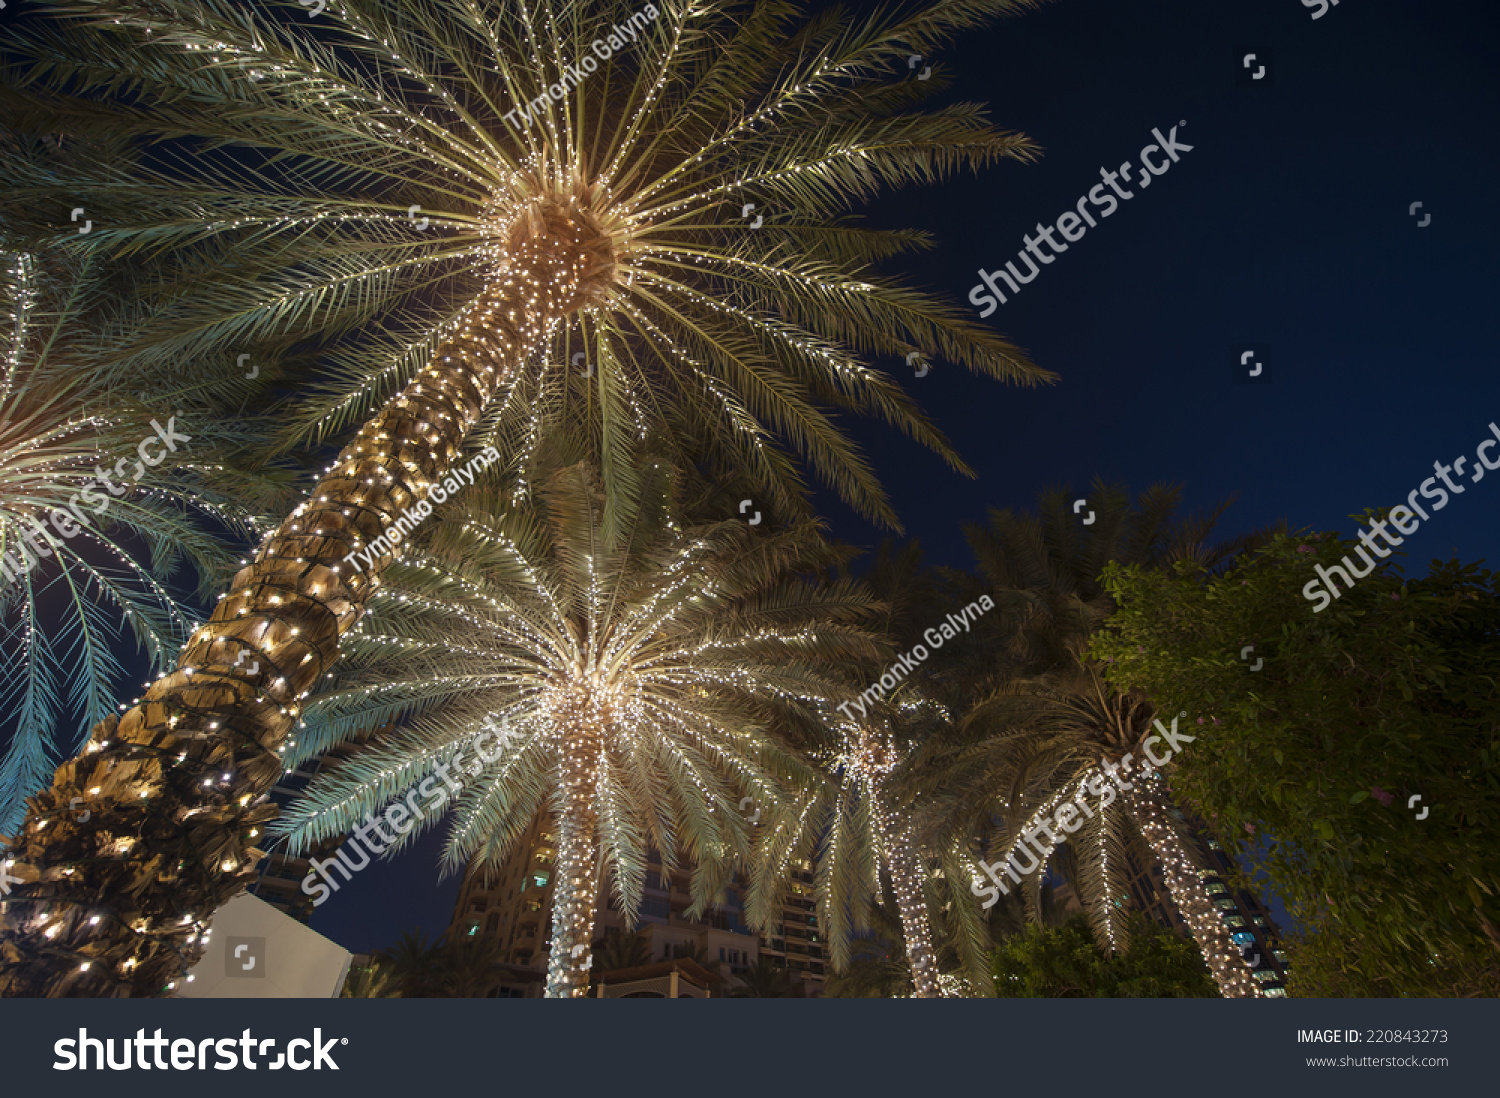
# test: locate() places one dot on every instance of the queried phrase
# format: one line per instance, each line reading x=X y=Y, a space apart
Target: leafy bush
x=1389 y=693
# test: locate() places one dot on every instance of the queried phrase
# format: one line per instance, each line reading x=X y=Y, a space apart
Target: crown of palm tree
x=309 y=149
x=666 y=654
x=1044 y=566
x=65 y=598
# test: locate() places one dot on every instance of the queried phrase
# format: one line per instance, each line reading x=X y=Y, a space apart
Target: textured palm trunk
x=906 y=876
x=576 y=890
x=123 y=860
x=1229 y=969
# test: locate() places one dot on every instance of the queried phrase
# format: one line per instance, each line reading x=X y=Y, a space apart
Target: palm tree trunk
x=113 y=903
x=576 y=889
x=1230 y=972
x=906 y=876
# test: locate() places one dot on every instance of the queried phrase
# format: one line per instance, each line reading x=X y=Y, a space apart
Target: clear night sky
x=1287 y=225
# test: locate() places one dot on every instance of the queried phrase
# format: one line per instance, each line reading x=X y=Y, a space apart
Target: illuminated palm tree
x=632 y=684
x=95 y=516
x=852 y=824
x=1043 y=726
x=370 y=181
x=1070 y=737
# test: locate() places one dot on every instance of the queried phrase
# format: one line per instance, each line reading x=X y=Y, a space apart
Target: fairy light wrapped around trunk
x=872 y=756
x=580 y=718
x=1226 y=963
x=906 y=878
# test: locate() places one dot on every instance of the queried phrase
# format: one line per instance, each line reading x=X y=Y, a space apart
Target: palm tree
x=603 y=221
x=765 y=979
x=469 y=967
x=1062 y=737
x=369 y=981
x=621 y=951
x=853 y=826
x=91 y=531
x=412 y=964
x=1045 y=727
x=632 y=683
x=857 y=821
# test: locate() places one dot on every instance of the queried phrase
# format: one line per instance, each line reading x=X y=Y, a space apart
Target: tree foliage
x=1065 y=963
x=1314 y=762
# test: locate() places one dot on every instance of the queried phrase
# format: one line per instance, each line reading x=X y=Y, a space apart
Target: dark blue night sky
x=1285 y=227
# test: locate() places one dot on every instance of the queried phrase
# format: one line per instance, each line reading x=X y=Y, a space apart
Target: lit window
x=1216 y=889
x=1243 y=938
x=1235 y=920
x=1275 y=993
x=1264 y=975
